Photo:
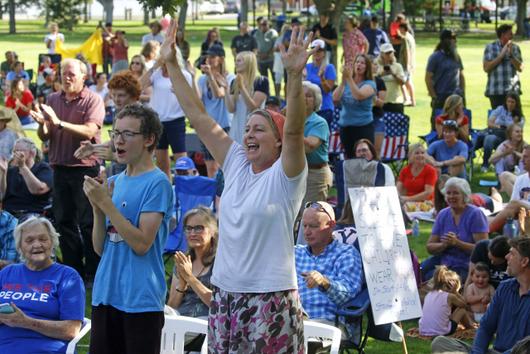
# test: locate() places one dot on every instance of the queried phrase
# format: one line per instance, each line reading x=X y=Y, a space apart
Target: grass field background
x=29 y=42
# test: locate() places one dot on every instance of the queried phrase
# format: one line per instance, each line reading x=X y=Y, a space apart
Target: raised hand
x=168 y=50
x=295 y=58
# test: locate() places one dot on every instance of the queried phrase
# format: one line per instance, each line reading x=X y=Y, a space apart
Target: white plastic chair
x=319 y=330
x=85 y=328
x=175 y=328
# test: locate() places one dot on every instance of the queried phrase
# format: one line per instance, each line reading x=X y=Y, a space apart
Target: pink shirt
x=353 y=43
x=436 y=314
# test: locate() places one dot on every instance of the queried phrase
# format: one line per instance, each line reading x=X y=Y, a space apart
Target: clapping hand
x=19 y=159
x=50 y=113
x=184 y=266
x=87 y=150
x=98 y=190
x=450 y=239
x=347 y=73
x=295 y=57
x=37 y=115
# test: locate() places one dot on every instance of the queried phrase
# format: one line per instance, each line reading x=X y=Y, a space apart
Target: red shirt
x=27 y=98
x=415 y=185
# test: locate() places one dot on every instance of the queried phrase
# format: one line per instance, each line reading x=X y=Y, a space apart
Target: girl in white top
x=247 y=93
x=264 y=186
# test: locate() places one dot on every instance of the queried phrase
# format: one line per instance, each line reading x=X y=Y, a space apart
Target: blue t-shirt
x=329 y=74
x=446 y=73
x=441 y=152
x=125 y=280
x=215 y=107
x=471 y=221
x=55 y=294
x=355 y=112
x=317 y=126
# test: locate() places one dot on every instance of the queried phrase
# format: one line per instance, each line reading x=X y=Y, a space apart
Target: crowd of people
x=111 y=200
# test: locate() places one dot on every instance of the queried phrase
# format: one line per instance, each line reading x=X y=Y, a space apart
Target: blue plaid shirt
x=8 y=251
x=341 y=265
x=503 y=77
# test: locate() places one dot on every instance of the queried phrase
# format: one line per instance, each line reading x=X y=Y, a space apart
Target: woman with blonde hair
x=454 y=110
x=417 y=180
x=248 y=92
x=138 y=68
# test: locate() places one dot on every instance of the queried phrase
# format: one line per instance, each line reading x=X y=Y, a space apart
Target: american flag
x=394 y=145
x=335 y=146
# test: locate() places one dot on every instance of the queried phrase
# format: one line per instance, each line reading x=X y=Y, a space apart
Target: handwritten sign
x=385 y=253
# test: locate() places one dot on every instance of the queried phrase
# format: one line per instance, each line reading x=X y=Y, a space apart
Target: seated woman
x=453 y=110
x=509 y=154
x=26 y=185
x=364 y=148
x=190 y=292
x=498 y=121
x=450 y=154
x=48 y=298
x=21 y=100
x=456 y=230
x=417 y=179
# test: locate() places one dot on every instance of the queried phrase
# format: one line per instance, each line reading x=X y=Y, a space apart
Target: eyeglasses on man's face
x=125 y=135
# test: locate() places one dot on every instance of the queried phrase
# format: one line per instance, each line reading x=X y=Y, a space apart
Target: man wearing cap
x=274 y=104
x=7 y=136
x=449 y=154
x=329 y=273
x=502 y=62
x=265 y=38
x=185 y=167
x=445 y=73
x=376 y=37
x=71 y=116
x=243 y=42
x=155 y=35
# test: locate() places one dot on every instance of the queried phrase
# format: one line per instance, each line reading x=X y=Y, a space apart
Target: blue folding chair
x=190 y=192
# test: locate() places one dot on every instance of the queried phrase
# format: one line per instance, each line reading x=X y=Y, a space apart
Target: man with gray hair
x=71 y=116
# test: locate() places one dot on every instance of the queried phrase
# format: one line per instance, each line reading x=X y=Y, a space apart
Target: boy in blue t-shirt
x=131 y=216
x=449 y=154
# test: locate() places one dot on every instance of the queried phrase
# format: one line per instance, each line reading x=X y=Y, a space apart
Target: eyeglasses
x=126 y=134
x=318 y=207
x=135 y=62
x=195 y=229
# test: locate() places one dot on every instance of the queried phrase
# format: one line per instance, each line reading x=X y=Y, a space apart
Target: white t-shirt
x=53 y=38
x=257 y=212
x=521 y=182
x=163 y=99
x=150 y=37
x=103 y=94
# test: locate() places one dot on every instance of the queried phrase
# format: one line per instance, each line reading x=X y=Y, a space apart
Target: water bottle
x=510 y=229
x=415 y=228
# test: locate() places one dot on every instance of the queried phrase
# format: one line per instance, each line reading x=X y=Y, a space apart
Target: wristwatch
x=61 y=125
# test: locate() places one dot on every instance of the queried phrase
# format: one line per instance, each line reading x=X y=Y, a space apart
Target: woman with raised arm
x=264 y=185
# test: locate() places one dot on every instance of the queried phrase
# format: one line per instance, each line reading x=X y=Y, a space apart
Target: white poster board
x=385 y=253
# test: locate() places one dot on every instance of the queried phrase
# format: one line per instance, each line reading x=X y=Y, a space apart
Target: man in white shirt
x=52 y=37
x=519 y=204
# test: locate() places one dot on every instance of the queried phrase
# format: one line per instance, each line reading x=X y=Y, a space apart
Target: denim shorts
x=174 y=134
x=379 y=126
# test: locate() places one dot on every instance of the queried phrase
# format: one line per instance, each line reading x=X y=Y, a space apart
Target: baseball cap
x=184 y=163
x=318 y=43
x=273 y=100
x=447 y=34
x=387 y=48
x=216 y=50
x=450 y=124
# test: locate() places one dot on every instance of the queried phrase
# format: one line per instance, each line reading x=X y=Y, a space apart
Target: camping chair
x=85 y=328
x=190 y=192
x=394 y=148
x=174 y=330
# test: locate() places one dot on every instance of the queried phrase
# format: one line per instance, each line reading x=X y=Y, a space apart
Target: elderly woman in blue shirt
x=355 y=93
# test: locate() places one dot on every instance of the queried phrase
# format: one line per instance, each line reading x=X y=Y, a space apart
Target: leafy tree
x=168 y=6
x=66 y=13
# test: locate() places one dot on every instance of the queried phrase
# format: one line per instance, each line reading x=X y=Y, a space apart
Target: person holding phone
x=43 y=302
x=394 y=77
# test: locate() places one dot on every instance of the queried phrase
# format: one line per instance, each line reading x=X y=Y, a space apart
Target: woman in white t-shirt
x=51 y=38
x=264 y=185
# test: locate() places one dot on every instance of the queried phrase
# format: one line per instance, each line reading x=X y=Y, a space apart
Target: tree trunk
x=397 y=7
x=182 y=15
x=1 y=10
x=521 y=15
x=85 y=11
x=146 y=16
x=244 y=11
x=108 y=9
x=12 y=25
x=153 y=14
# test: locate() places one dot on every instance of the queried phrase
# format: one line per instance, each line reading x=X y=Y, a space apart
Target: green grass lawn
x=28 y=43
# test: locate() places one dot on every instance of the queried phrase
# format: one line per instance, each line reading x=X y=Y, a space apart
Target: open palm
x=295 y=57
x=168 y=51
